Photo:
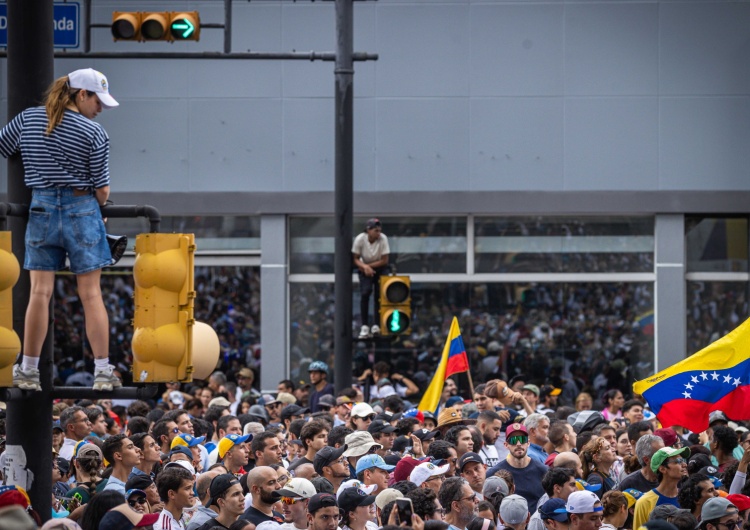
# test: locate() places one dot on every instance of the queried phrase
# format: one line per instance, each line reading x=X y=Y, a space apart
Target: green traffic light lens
x=182 y=28
x=397 y=322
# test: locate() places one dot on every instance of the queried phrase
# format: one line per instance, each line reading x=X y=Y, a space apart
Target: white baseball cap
x=354 y=483
x=93 y=81
x=298 y=487
x=583 y=502
x=425 y=471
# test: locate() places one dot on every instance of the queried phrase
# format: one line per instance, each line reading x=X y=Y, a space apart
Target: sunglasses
x=368 y=418
x=289 y=501
x=678 y=460
x=515 y=440
x=137 y=500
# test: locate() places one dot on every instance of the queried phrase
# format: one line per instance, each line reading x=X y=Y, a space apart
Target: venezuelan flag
x=453 y=361
x=715 y=378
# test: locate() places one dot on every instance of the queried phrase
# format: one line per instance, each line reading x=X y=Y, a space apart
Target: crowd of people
x=220 y=455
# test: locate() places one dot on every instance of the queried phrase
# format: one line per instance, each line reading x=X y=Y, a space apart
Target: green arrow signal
x=184 y=26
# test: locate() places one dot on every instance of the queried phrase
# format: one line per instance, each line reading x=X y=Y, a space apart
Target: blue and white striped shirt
x=75 y=155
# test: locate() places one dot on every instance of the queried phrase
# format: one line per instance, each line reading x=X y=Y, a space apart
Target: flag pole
x=471 y=383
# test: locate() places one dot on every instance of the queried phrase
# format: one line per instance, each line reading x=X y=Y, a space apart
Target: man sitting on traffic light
x=370 y=250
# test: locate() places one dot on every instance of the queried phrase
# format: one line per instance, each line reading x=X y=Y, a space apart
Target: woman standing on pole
x=66 y=164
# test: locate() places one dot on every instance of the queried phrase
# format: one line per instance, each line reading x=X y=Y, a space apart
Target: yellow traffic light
x=164 y=297
x=156 y=25
x=10 y=344
x=126 y=26
x=395 y=305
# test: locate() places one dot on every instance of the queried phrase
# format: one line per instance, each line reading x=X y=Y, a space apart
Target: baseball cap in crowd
x=371 y=461
x=716 y=417
x=186 y=440
x=667 y=434
x=666 y=452
x=742 y=502
x=183 y=464
x=56 y=426
x=293 y=410
x=362 y=410
x=380 y=426
x=663 y=512
x=352 y=498
x=514 y=509
x=230 y=440
x=632 y=495
x=297 y=488
x=176 y=398
x=425 y=434
x=181 y=450
x=583 y=502
x=359 y=443
x=354 y=483
x=219 y=402
x=87 y=450
x=123 y=517
x=321 y=500
x=549 y=390
x=404 y=468
x=495 y=486
x=415 y=413
x=531 y=388
x=245 y=372
x=268 y=399
x=449 y=417
x=134 y=492
x=455 y=400
x=582 y=485
x=372 y=223
x=425 y=471
x=554 y=509
x=327 y=401
x=467 y=458
x=711 y=472
x=287 y=399
x=515 y=428
x=343 y=400
x=139 y=482
x=386 y=496
x=586 y=420
x=322 y=485
x=219 y=485
x=327 y=456
x=93 y=81
x=318 y=366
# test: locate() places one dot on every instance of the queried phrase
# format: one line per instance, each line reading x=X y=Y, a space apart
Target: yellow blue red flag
x=453 y=361
x=715 y=378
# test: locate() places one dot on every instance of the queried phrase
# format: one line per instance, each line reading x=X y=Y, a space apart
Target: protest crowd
x=218 y=454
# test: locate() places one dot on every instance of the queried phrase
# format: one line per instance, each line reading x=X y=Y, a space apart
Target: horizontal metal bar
x=541 y=277
x=717 y=276
x=297 y=56
x=77 y=392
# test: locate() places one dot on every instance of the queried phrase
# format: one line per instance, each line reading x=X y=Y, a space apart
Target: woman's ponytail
x=56 y=99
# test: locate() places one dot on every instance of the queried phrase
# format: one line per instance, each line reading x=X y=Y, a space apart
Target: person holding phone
x=66 y=164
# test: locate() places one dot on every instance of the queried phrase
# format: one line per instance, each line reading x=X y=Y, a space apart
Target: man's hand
x=416 y=446
x=367 y=270
x=504 y=415
x=742 y=467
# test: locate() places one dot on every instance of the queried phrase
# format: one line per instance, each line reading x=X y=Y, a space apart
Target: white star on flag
x=694 y=379
x=688 y=386
x=727 y=378
x=704 y=375
x=687 y=396
x=737 y=382
x=715 y=376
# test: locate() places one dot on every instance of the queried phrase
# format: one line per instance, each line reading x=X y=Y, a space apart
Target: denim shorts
x=62 y=224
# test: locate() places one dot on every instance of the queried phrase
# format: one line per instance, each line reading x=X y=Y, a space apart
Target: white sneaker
x=364 y=333
x=106 y=379
x=375 y=330
x=26 y=379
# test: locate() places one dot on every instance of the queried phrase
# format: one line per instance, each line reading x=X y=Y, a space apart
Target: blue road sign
x=67 y=25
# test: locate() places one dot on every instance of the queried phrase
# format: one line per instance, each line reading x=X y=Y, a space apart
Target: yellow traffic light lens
x=123 y=29
x=152 y=30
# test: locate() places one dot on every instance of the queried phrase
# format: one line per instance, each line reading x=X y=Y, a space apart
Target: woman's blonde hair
x=58 y=96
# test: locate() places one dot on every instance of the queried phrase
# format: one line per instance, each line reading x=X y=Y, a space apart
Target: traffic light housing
x=395 y=305
x=164 y=299
x=156 y=25
x=10 y=344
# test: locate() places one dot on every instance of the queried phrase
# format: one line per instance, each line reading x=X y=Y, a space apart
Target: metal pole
x=227 y=26
x=30 y=71
x=344 y=73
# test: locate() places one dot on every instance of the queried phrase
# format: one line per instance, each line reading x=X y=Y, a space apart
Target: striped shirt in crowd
x=75 y=155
